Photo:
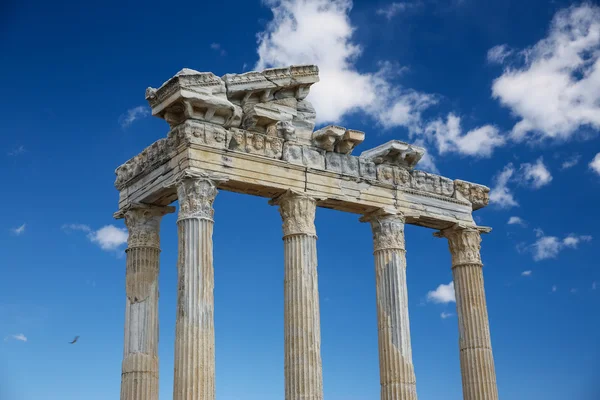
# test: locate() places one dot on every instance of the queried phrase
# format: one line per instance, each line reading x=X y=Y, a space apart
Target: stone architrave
x=476 y=358
x=139 y=378
x=397 y=375
x=194 y=377
x=303 y=367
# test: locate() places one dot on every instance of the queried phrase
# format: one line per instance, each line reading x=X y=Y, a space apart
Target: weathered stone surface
x=396 y=153
x=397 y=375
x=302 y=327
x=326 y=138
x=349 y=141
x=476 y=358
x=477 y=195
x=342 y=163
x=368 y=169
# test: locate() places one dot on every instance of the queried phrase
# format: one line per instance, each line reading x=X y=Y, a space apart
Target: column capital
x=464 y=243
x=388 y=229
x=143 y=223
x=297 y=211
x=196 y=194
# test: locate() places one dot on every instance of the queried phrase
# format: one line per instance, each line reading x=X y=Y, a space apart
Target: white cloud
x=427 y=162
x=19 y=230
x=497 y=54
x=546 y=247
x=571 y=163
x=217 y=47
x=76 y=227
x=500 y=194
x=443 y=294
x=392 y=9
x=17 y=151
x=516 y=221
x=526 y=273
x=538 y=232
x=19 y=336
x=557 y=89
x=445 y=315
x=291 y=38
x=109 y=237
x=534 y=175
x=133 y=115
x=449 y=137
x=595 y=164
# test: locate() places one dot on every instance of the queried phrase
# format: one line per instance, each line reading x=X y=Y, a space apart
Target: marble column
x=194 y=365
x=302 y=329
x=396 y=370
x=476 y=359
x=139 y=377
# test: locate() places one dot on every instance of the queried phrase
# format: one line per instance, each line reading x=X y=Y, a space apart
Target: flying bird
x=74 y=340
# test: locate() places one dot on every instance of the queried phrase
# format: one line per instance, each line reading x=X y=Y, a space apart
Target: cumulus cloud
x=556 y=90
x=449 y=137
x=571 y=162
x=133 y=115
x=526 y=273
x=109 y=237
x=443 y=294
x=515 y=221
x=19 y=230
x=291 y=38
x=497 y=54
x=595 y=164
x=19 y=337
x=546 y=247
x=500 y=194
x=392 y=9
x=535 y=175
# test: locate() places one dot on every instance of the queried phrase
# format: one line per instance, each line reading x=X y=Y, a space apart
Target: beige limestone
x=476 y=358
x=397 y=375
x=194 y=377
x=139 y=378
x=303 y=369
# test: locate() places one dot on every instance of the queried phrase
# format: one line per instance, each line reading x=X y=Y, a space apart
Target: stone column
x=194 y=327
x=476 y=359
x=396 y=370
x=139 y=377
x=302 y=327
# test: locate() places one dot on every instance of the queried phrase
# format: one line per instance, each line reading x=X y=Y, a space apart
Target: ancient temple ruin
x=254 y=133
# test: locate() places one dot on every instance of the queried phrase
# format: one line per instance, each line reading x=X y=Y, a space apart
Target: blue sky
x=505 y=94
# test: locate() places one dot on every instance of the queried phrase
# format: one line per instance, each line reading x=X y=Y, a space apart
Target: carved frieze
x=256 y=143
x=477 y=195
x=342 y=163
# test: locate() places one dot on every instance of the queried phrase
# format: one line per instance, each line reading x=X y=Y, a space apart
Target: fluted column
x=302 y=328
x=139 y=376
x=396 y=370
x=476 y=359
x=194 y=327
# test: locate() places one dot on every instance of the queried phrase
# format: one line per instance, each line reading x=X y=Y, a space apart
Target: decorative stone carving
x=303 y=155
x=402 y=177
x=341 y=163
x=256 y=143
x=297 y=212
x=327 y=137
x=396 y=153
x=286 y=130
x=196 y=195
x=367 y=168
x=349 y=141
x=464 y=244
x=143 y=224
x=477 y=195
x=388 y=229
x=193 y=95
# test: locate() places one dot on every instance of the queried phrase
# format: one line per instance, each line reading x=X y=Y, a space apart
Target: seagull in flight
x=74 y=340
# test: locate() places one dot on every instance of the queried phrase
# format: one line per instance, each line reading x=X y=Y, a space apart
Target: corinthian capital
x=143 y=224
x=388 y=229
x=297 y=212
x=464 y=244
x=196 y=194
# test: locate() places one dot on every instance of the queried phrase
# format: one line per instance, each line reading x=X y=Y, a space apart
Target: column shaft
x=139 y=378
x=476 y=358
x=397 y=375
x=302 y=328
x=194 y=377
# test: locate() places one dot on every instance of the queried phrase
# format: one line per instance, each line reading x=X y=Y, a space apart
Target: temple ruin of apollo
x=254 y=133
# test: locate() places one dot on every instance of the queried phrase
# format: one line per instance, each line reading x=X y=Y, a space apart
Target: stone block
x=367 y=168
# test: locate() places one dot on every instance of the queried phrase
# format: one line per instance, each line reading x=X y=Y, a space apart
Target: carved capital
x=297 y=212
x=388 y=229
x=143 y=224
x=196 y=194
x=464 y=244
